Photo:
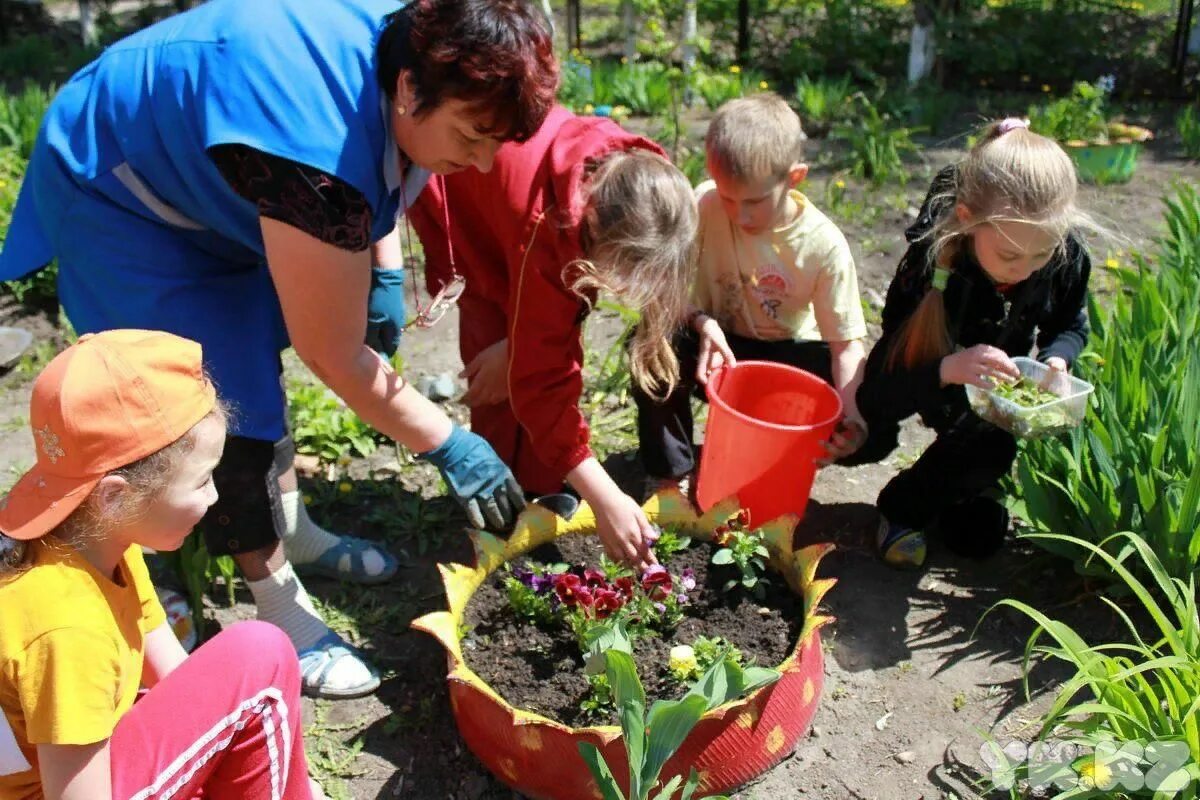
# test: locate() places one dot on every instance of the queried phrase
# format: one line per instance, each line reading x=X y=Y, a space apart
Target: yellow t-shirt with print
x=795 y=282
x=71 y=649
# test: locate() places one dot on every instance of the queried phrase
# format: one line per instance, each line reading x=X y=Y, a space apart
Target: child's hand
x=625 y=531
x=487 y=376
x=1056 y=379
x=982 y=365
x=849 y=435
x=714 y=351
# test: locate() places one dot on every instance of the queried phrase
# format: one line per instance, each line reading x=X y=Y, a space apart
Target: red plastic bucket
x=766 y=426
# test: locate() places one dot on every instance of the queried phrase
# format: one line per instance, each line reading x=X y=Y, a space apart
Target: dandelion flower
x=1094 y=774
x=345 y=487
x=1045 y=87
x=764 y=85
x=839 y=184
x=308 y=499
x=1111 y=263
x=735 y=69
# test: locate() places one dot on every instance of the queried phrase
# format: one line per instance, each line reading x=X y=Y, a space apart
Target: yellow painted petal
x=489 y=550
x=441 y=626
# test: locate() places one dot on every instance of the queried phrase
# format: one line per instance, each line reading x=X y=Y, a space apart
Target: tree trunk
x=628 y=34
x=688 y=37
x=743 y=32
x=549 y=12
x=87 y=22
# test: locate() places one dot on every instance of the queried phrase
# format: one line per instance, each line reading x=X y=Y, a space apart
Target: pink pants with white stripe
x=224 y=724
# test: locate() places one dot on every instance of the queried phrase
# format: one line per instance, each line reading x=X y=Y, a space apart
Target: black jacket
x=1048 y=309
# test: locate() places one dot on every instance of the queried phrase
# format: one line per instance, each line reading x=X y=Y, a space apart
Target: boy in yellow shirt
x=775 y=281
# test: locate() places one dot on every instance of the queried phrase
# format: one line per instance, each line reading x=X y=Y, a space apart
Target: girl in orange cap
x=128 y=430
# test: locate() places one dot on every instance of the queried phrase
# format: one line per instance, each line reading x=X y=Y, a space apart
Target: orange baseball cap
x=106 y=401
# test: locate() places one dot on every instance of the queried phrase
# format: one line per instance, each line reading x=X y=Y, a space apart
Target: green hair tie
x=940 y=278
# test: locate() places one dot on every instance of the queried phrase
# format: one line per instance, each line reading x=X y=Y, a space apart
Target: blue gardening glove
x=478 y=479
x=385 y=310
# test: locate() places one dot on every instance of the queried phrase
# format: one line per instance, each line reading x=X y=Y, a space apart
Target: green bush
x=822 y=102
x=21 y=116
x=1080 y=116
x=1188 y=124
x=876 y=146
x=1132 y=464
x=718 y=88
x=1023 y=44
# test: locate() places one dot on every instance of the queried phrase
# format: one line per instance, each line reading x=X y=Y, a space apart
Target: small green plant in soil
x=669 y=542
x=324 y=427
x=652 y=736
x=688 y=661
x=745 y=549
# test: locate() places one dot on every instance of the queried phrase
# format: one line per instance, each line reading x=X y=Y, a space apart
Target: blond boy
x=775 y=281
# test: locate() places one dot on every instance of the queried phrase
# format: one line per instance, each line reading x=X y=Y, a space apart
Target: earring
x=402 y=110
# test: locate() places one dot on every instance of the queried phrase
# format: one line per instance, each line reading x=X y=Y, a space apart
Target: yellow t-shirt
x=71 y=647
x=796 y=282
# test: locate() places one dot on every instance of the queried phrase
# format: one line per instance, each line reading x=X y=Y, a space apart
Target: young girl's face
x=1009 y=252
x=175 y=512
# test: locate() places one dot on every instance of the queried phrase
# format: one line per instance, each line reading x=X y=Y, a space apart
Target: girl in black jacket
x=993 y=269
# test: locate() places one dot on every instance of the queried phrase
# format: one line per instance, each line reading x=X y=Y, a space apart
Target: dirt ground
x=911 y=686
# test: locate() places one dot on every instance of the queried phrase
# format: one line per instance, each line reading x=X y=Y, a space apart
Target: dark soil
x=541 y=669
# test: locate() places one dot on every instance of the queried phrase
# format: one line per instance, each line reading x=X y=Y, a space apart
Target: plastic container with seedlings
x=1039 y=404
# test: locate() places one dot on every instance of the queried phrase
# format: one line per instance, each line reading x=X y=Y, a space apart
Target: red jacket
x=514 y=230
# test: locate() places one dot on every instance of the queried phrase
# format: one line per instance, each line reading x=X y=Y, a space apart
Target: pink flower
x=607 y=601
x=568 y=587
x=656 y=582
x=688 y=579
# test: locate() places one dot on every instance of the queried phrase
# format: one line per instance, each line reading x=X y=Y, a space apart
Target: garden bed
x=540 y=668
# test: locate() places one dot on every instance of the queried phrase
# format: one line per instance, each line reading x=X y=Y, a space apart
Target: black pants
x=248 y=514
x=969 y=457
x=665 y=427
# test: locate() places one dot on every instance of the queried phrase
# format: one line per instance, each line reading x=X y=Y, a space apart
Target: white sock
x=283 y=601
x=305 y=541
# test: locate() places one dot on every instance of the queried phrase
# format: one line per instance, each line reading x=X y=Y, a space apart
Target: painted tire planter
x=731 y=744
x=1103 y=164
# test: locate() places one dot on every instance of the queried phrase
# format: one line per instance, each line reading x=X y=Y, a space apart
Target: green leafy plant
x=876 y=146
x=324 y=427
x=21 y=116
x=197 y=569
x=652 y=736
x=718 y=88
x=1082 y=117
x=1188 y=125
x=1131 y=711
x=599 y=700
x=670 y=542
x=745 y=549
x=1132 y=464
x=821 y=102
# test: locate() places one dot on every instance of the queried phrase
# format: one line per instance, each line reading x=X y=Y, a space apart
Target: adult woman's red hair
x=495 y=55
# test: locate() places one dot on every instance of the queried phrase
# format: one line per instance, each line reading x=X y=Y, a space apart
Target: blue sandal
x=901 y=547
x=317 y=661
x=328 y=564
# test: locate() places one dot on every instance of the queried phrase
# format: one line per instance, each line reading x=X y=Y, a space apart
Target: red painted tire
x=731 y=745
